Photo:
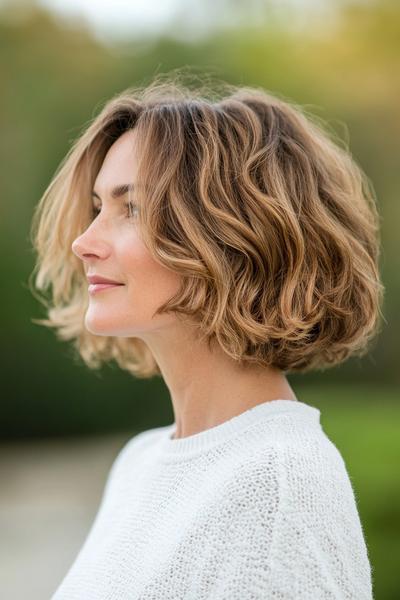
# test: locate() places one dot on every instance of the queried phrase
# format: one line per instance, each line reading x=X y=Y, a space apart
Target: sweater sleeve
x=300 y=540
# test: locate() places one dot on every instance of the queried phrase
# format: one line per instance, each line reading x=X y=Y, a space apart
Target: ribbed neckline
x=209 y=437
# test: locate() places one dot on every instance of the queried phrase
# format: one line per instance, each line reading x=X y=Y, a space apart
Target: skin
x=206 y=387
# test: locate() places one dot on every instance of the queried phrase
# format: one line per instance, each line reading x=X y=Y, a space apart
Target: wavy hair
x=270 y=222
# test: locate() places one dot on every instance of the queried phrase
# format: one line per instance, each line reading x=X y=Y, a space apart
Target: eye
x=131 y=210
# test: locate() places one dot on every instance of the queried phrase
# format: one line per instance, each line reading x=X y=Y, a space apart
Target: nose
x=88 y=246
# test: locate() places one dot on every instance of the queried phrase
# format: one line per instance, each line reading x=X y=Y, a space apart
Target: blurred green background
x=339 y=58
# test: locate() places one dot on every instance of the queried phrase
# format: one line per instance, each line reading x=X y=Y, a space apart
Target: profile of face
x=111 y=248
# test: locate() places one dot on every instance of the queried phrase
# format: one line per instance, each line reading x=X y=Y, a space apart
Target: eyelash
x=130 y=206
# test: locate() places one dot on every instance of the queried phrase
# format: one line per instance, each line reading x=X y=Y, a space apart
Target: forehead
x=119 y=165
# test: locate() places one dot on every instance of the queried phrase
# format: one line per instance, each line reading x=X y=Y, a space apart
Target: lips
x=96 y=279
x=95 y=288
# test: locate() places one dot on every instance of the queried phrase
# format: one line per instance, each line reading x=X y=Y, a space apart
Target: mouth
x=94 y=288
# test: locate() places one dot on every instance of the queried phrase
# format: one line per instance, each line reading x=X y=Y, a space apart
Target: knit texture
x=260 y=507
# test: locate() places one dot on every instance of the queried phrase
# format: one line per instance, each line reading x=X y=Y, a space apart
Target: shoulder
x=136 y=444
x=295 y=463
x=300 y=483
x=288 y=515
x=141 y=440
x=130 y=455
x=314 y=476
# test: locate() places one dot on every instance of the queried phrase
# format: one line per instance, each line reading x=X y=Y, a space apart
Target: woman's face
x=111 y=248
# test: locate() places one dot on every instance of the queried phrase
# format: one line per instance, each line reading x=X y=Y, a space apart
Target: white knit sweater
x=260 y=507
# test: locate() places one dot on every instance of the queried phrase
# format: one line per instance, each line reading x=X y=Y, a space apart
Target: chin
x=98 y=326
x=98 y=331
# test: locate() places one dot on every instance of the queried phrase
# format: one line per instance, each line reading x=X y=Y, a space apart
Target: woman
x=226 y=241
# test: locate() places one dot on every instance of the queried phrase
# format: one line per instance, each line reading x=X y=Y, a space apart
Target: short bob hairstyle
x=271 y=224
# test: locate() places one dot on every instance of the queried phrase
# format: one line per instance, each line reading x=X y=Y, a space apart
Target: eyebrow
x=118 y=191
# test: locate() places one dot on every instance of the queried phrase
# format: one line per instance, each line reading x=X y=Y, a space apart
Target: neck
x=208 y=387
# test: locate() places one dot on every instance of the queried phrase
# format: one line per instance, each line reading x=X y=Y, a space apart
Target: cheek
x=149 y=282
x=128 y=311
